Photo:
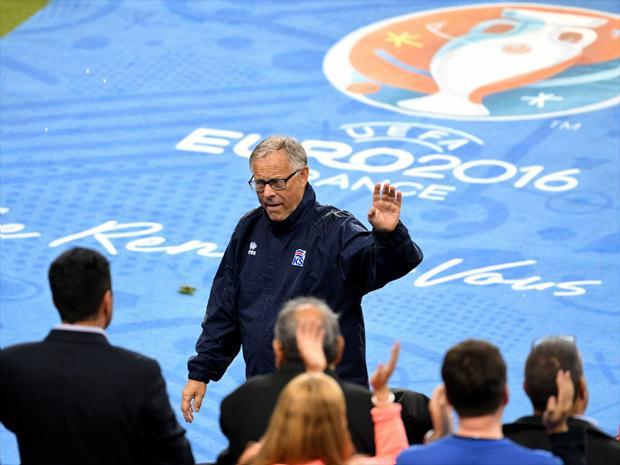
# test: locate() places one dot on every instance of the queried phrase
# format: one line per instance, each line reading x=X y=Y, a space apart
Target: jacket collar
x=299 y=214
x=76 y=337
x=292 y=368
x=296 y=368
x=535 y=422
x=80 y=328
x=530 y=420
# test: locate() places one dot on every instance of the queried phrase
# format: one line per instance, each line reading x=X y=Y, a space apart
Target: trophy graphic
x=522 y=47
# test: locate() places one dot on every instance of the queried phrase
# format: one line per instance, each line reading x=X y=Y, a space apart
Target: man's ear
x=304 y=174
x=582 y=388
x=107 y=307
x=340 y=346
x=278 y=353
x=581 y=397
x=505 y=396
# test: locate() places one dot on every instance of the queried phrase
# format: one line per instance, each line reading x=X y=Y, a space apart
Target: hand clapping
x=310 y=335
x=558 y=407
x=381 y=376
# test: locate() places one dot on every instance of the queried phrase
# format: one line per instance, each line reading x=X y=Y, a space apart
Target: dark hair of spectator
x=79 y=278
x=474 y=374
x=542 y=365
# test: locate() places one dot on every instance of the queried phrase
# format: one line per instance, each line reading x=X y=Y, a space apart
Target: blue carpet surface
x=126 y=120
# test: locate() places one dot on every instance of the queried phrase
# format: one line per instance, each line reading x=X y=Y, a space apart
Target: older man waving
x=293 y=246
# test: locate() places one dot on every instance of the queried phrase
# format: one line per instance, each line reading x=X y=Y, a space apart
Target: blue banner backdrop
x=128 y=121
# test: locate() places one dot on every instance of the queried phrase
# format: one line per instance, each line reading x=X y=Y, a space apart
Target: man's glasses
x=278 y=184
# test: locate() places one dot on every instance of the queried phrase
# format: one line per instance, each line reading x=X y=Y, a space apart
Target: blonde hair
x=308 y=423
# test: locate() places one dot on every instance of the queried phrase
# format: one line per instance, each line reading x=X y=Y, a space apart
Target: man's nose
x=268 y=191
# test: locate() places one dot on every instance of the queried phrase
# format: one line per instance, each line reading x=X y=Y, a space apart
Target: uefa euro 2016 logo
x=502 y=61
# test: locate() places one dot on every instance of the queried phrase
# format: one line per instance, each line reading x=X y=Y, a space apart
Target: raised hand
x=441 y=413
x=381 y=376
x=558 y=408
x=385 y=211
x=310 y=335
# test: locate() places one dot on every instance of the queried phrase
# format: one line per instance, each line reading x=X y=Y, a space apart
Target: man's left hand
x=558 y=408
x=385 y=211
x=310 y=335
x=441 y=414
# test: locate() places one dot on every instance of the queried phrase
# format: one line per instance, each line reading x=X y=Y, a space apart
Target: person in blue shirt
x=474 y=376
x=293 y=246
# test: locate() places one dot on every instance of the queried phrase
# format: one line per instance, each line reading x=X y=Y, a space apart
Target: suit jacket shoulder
x=601 y=449
x=74 y=398
x=245 y=412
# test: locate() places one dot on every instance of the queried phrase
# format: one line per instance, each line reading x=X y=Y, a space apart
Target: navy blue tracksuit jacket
x=318 y=251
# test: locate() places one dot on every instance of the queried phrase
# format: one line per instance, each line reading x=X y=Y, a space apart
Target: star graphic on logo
x=540 y=99
x=404 y=38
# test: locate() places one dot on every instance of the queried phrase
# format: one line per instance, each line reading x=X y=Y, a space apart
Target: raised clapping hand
x=309 y=336
x=385 y=211
x=441 y=413
x=379 y=379
x=558 y=408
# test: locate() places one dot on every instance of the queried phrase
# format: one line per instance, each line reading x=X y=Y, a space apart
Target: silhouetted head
x=474 y=374
x=308 y=423
x=79 y=279
x=542 y=365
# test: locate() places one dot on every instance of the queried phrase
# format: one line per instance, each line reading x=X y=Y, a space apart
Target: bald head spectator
x=545 y=359
x=74 y=398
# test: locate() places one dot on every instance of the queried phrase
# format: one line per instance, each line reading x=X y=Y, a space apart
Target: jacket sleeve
x=166 y=441
x=390 y=436
x=220 y=339
x=7 y=406
x=368 y=260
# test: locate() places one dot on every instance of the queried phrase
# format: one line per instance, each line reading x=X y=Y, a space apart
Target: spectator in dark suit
x=75 y=399
x=246 y=411
x=550 y=355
